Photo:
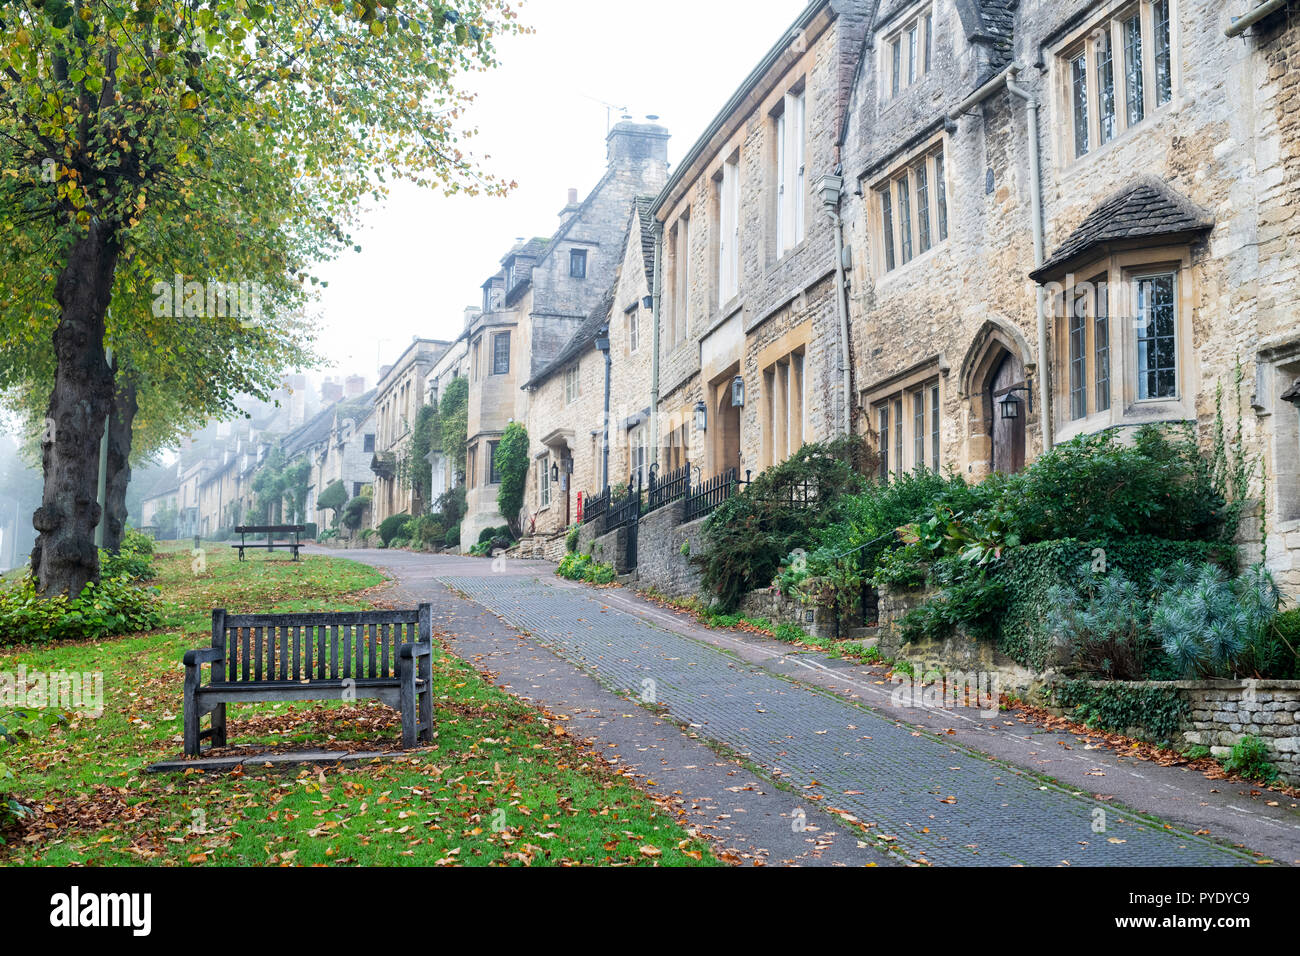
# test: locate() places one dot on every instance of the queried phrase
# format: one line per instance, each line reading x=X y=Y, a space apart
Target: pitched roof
x=582 y=338
x=1142 y=211
x=317 y=428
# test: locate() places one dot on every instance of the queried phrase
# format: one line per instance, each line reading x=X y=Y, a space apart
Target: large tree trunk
x=64 y=558
x=120 y=421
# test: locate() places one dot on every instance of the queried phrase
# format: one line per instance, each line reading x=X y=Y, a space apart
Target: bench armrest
x=204 y=655
x=415 y=650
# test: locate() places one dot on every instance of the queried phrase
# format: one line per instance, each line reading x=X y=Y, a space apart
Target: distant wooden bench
x=383 y=655
x=270 y=544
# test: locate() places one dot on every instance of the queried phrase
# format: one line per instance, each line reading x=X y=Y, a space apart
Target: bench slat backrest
x=361 y=645
x=271 y=528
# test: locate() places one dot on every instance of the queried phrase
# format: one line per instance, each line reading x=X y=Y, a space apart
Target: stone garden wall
x=1218 y=713
x=664 y=546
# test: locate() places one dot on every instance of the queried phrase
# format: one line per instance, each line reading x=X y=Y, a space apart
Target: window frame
x=1106 y=118
x=911 y=412
x=497 y=369
x=903 y=232
x=727 y=197
x=911 y=53
x=790 y=126
x=1114 y=391
x=577 y=263
x=572 y=384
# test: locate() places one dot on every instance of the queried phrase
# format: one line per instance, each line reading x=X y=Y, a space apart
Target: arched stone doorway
x=994 y=368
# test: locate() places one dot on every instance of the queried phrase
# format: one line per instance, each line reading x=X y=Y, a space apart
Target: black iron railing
x=625 y=508
x=707 y=495
x=662 y=491
x=593 y=506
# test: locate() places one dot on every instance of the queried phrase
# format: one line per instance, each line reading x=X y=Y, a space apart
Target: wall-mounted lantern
x=738 y=392
x=701 y=416
x=555 y=471
x=1009 y=404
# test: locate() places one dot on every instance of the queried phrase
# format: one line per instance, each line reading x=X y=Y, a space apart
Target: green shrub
x=746 y=538
x=392 y=526
x=1286 y=632
x=571 y=540
x=1030 y=571
x=137 y=541
x=583 y=567
x=133 y=560
x=111 y=607
x=1249 y=759
x=452 y=540
x=1117 y=707
x=310 y=529
x=512 y=461
x=1098 y=486
x=1213 y=626
x=429 y=531
x=333 y=499
x=354 y=512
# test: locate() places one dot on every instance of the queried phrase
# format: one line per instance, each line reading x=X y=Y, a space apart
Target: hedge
x=1120 y=705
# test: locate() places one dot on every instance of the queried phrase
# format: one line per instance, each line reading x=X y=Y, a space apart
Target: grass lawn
x=500 y=785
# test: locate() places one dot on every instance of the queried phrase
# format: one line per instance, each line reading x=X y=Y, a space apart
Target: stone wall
x=1224 y=711
x=611 y=548
x=1221 y=712
x=660 y=562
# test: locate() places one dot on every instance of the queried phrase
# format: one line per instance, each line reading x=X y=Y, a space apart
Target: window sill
x=1133 y=415
x=1075 y=163
x=884 y=278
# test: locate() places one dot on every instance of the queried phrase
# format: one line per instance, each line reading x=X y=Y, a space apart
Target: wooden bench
x=270 y=544
x=383 y=655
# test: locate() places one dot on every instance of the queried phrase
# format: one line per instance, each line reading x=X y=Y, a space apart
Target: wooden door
x=1008 y=433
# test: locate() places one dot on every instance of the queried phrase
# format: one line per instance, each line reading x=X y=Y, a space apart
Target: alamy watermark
x=208 y=299
x=956 y=689
x=82 y=691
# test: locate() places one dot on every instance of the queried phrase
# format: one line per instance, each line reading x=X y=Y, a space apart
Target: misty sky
x=542 y=119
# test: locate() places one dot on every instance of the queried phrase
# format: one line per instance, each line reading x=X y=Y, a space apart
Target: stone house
x=546 y=288
x=398 y=397
x=752 y=351
x=452 y=365
x=339 y=444
x=602 y=375
x=1073 y=216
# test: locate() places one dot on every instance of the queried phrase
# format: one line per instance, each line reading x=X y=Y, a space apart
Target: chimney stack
x=570 y=209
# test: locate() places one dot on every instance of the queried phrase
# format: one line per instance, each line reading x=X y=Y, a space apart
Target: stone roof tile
x=1147 y=209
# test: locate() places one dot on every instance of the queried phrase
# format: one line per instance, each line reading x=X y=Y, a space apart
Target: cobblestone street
x=924 y=797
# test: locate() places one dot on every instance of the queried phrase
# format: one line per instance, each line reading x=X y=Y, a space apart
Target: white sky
x=542 y=120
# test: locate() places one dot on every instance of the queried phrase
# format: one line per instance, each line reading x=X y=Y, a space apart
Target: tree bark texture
x=64 y=558
x=120 y=421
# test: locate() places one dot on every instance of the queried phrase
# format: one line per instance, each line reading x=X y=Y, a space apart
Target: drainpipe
x=1036 y=213
x=602 y=343
x=656 y=295
x=832 y=186
x=1241 y=24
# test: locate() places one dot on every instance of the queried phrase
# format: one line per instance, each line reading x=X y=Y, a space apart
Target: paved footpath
x=758 y=741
